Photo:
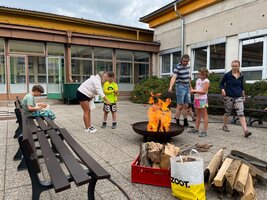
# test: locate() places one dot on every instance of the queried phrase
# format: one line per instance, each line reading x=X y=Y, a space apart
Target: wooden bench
x=254 y=107
x=256 y=111
x=63 y=165
x=17 y=109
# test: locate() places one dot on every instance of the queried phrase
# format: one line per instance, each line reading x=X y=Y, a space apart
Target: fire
x=159 y=115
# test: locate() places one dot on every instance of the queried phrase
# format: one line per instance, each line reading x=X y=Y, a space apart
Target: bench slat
x=78 y=173
x=57 y=175
x=51 y=123
x=32 y=125
x=42 y=124
x=97 y=170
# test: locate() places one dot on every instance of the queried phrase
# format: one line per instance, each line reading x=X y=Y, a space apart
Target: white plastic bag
x=91 y=105
x=187 y=178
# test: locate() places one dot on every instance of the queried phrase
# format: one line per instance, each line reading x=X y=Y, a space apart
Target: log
x=249 y=193
x=143 y=159
x=220 y=177
x=230 y=175
x=213 y=167
x=241 y=178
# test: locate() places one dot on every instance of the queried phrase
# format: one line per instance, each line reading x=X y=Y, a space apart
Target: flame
x=159 y=115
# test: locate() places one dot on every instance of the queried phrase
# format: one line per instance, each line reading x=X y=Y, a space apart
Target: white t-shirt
x=92 y=86
x=199 y=86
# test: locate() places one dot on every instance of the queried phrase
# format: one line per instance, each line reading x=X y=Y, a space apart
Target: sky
x=122 y=12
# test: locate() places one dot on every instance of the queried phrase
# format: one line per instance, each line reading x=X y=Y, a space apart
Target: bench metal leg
x=18 y=132
x=91 y=188
x=18 y=155
x=22 y=165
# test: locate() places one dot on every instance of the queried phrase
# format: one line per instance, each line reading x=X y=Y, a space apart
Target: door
x=54 y=78
x=18 y=75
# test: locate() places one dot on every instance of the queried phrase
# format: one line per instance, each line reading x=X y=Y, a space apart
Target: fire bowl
x=141 y=128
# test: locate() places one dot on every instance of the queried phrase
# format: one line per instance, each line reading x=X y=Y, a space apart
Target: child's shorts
x=112 y=107
x=201 y=103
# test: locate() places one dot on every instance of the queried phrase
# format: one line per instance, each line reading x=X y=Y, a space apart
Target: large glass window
x=166 y=63
x=55 y=49
x=103 y=66
x=2 y=74
x=252 y=53
x=81 y=51
x=2 y=45
x=81 y=69
x=17 y=46
x=103 y=53
x=200 y=59
x=140 y=56
x=252 y=75
x=123 y=55
x=124 y=72
x=217 y=56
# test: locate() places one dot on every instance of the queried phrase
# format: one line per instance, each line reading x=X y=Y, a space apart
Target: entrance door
x=18 y=75
x=54 y=78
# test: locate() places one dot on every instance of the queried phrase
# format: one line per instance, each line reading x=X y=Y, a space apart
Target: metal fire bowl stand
x=141 y=128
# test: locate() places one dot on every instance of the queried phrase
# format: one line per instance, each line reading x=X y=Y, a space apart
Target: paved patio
x=115 y=149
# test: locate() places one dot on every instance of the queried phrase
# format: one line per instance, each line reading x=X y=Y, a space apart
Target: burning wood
x=159 y=114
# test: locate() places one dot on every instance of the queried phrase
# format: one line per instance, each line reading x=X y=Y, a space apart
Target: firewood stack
x=230 y=175
x=157 y=155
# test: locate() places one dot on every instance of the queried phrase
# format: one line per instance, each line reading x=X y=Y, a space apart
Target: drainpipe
x=182 y=27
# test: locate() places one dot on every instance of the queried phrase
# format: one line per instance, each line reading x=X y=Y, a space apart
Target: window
x=141 y=65
x=103 y=53
x=17 y=46
x=217 y=56
x=81 y=51
x=2 y=74
x=211 y=56
x=168 y=63
x=252 y=53
x=123 y=55
x=253 y=58
x=55 y=49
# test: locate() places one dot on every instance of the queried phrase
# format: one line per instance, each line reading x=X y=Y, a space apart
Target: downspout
x=182 y=27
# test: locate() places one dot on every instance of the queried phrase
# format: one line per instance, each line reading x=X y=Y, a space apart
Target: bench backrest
x=28 y=142
x=17 y=109
x=260 y=101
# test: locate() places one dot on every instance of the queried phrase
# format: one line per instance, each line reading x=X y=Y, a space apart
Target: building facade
x=213 y=33
x=51 y=50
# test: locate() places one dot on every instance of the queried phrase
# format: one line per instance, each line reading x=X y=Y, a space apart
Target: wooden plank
x=59 y=179
x=51 y=123
x=79 y=175
x=98 y=171
x=220 y=177
x=32 y=126
x=241 y=178
x=213 y=166
x=43 y=126
x=249 y=193
x=230 y=175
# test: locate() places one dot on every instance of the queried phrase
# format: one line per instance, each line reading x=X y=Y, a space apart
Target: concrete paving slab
x=115 y=149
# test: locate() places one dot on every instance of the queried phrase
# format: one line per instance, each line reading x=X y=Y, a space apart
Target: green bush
x=141 y=92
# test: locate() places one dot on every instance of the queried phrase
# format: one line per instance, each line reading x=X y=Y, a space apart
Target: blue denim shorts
x=182 y=94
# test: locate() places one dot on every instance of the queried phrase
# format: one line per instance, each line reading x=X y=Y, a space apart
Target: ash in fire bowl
x=141 y=128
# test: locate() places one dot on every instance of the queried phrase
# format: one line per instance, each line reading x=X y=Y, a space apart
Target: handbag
x=187 y=178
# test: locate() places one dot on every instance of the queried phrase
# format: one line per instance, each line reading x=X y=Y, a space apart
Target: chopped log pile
x=157 y=155
x=232 y=175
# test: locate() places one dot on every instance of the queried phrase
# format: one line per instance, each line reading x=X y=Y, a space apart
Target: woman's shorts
x=231 y=103
x=112 y=107
x=201 y=103
x=82 y=97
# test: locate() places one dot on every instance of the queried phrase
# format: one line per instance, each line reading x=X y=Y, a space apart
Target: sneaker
x=202 y=134
x=247 y=133
x=104 y=125
x=225 y=128
x=114 y=125
x=186 y=123
x=193 y=130
x=91 y=130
